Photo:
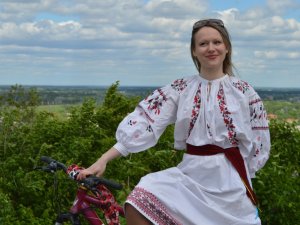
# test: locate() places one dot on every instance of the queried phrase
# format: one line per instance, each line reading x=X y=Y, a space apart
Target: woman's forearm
x=99 y=166
x=110 y=155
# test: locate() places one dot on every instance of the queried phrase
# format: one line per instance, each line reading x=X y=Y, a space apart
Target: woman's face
x=210 y=50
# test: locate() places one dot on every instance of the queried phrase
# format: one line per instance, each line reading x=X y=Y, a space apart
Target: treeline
x=26 y=134
x=69 y=95
x=280 y=94
x=62 y=95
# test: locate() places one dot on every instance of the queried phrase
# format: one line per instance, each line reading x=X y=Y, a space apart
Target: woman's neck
x=211 y=74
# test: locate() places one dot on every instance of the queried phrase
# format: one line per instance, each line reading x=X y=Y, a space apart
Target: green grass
x=59 y=111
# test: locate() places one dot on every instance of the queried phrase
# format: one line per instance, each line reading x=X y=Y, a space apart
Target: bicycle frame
x=81 y=204
x=85 y=204
x=92 y=193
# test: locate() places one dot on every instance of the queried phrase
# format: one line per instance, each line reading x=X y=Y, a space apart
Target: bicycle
x=92 y=193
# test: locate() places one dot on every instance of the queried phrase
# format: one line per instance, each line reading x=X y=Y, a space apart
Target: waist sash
x=233 y=155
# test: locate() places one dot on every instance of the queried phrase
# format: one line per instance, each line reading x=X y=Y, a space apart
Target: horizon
x=120 y=86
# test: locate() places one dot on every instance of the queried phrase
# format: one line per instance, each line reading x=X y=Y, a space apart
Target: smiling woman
x=219 y=121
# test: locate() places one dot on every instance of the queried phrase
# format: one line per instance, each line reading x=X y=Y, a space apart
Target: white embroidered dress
x=202 y=189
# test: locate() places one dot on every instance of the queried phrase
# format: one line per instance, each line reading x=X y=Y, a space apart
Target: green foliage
x=20 y=98
x=277 y=184
x=283 y=109
x=26 y=195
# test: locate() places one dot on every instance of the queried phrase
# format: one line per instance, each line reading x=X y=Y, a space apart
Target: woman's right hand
x=98 y=168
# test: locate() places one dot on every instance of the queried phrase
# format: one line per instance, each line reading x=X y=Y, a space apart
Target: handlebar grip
x=110 y=183
x=47 y=159
x=73 y=170
x=51 y=161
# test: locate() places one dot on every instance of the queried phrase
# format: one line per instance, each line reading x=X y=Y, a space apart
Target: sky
x=142 y=42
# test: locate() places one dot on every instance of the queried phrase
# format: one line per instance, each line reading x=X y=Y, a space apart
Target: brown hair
x=227 y=64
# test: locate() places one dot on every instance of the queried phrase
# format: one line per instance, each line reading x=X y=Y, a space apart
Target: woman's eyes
x=216 y=42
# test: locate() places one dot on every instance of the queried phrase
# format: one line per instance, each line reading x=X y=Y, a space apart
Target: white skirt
x=200 y=190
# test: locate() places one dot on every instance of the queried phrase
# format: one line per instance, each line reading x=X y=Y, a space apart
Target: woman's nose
x=211 y=47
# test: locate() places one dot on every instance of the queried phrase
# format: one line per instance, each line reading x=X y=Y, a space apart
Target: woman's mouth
x=211 y=56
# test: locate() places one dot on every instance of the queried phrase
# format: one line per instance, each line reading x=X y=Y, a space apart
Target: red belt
x=233 y=155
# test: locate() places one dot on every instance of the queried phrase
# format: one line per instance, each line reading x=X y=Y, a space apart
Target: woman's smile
x=212 y=57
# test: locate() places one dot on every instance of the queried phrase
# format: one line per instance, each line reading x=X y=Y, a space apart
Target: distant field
x=285 y=110
x=60 y=111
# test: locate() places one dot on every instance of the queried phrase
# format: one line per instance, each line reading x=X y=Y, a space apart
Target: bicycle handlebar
x=53 y=164
x=91 y=182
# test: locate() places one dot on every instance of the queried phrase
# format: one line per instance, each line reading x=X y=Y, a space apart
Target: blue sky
x=142 y=43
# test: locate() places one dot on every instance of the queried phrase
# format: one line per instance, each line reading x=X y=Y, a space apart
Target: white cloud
x=281 y=6
x=128 y=34
x=35 y=32
x=267 y=54
x=293 y=55
x=176 y=8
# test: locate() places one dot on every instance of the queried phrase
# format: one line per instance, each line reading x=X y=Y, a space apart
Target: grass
x=59 y=111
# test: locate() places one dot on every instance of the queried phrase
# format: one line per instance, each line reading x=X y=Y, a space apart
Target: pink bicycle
x=92 y=193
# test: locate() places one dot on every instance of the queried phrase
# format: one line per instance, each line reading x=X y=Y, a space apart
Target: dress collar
x=212 y=81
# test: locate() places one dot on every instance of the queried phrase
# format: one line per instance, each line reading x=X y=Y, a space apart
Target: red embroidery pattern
x=255 y=101
x=179 y=85
x=258 y=115
x=146 y=114
x=258 y=150
x=260 y=128
x=132 y=122
x=241 y=85
x=196 y=109
x=226 y=116
x=209 y=130
x=151 y=206
x=155 y=101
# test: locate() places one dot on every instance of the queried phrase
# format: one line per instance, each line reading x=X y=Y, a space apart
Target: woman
x=221 y=123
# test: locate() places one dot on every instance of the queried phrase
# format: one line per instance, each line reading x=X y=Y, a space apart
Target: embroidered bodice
x=225 y=112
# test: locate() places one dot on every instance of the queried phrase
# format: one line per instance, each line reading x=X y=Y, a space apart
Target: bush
x=277 y=184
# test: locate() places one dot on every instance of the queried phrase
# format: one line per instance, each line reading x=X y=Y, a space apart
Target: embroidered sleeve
x=142 y=128
x=261 y=135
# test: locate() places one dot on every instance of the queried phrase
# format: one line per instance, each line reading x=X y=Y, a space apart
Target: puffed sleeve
x=261 y=135
x=142 y=128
